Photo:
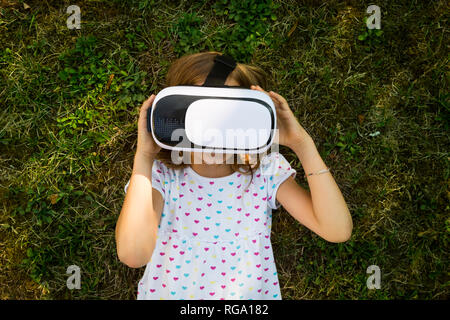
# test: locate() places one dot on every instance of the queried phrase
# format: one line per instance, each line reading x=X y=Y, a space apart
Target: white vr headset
x=213 y=117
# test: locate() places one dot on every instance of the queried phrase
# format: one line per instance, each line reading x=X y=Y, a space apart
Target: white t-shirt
x=214 y=237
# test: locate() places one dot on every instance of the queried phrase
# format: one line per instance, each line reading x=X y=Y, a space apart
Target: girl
x=203 y=229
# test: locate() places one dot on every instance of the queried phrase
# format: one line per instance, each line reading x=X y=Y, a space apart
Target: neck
x=213 y=170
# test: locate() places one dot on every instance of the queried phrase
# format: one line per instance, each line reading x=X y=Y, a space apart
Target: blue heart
x=230 y=183
x=188 y=261
x=221 y=189
x=172 y=293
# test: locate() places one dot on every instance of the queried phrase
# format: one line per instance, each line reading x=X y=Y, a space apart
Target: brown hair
x=192 y=70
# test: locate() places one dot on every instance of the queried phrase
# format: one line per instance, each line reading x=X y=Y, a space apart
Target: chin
x=215 y=159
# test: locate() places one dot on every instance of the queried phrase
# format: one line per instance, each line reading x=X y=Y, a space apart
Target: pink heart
x=239 y=197
x=247 y=214
x=170 y=258
x=167 y=271
x=258 y=265
x=181 y=195
x=256 y=219
x=213 y=267
x=159 y=265
x=259 y=278
x=211 y=293
x=183 y=183
x=162 y=253
x=275 y=283
x=233 y=254
x=206 y=249
x=198 y=209
x=239 y=209
x=232 y=280
x=211 y=182
x=175 y=246
x=255 y=194
x=223 y=273
x=187 y=213
x=256 y=253
x=196 y=221
x=209 y=204
x=254 y=240
x=175 y=278
x=181 y=252
x=195 y=234
x=200 y=187
x=223 y=286
x=264 y=198
x=163 y=285
x=223 y=248
x=152 y=290
x=155 y=278
x=200 y=198
x=206 y=228
x=223 y=260
x=202 y=287
x=236 y=234
x=256 y=207
x=239 y=221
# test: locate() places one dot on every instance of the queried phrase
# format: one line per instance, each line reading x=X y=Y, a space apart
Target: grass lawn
x=375 y=102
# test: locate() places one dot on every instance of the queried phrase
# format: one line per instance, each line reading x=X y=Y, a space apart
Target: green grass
x=69 y=105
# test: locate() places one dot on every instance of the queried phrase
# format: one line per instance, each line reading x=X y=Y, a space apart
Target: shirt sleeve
x=158 y=177
x=275 y=169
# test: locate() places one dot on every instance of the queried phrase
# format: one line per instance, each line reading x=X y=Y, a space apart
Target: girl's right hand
x=146 y=145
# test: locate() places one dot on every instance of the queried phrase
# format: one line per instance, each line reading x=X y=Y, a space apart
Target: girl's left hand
x=290 y=131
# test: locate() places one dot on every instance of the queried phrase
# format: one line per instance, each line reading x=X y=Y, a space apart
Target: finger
x=278 y=97
x=275 y=101
x=147 y=103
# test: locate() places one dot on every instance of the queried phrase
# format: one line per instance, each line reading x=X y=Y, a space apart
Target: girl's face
x=211 y=158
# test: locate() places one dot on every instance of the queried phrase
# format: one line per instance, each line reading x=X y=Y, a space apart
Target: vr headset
x=213 y=117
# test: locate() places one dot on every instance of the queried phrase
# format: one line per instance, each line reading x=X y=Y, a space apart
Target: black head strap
x=223 y=66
